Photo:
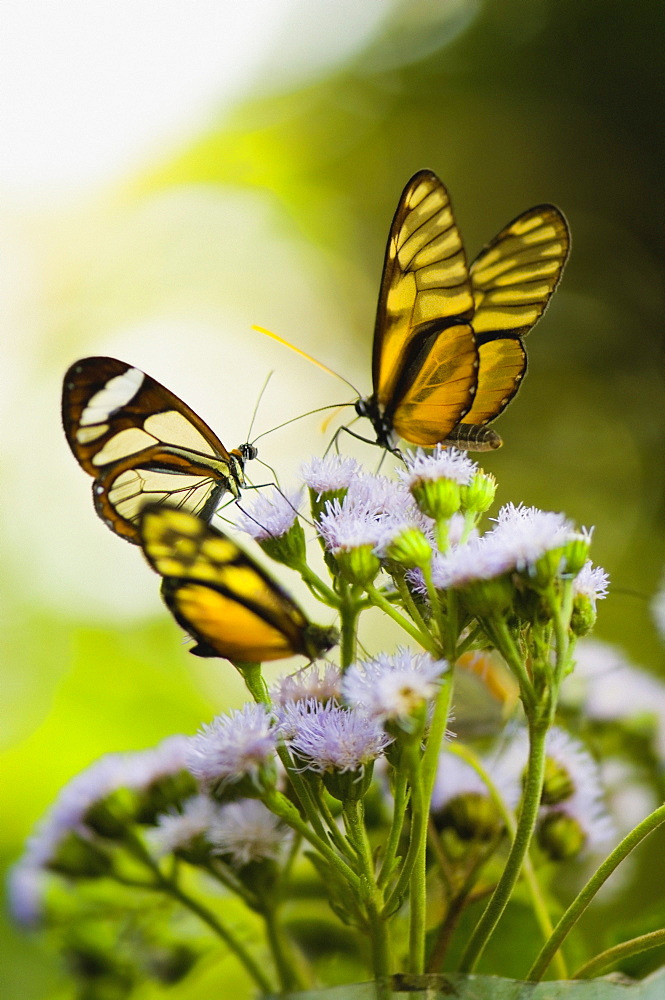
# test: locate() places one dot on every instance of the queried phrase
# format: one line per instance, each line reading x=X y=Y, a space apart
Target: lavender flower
x=317 y=683
x=393 y=687
x=331 y=738
x=271 y=513
x=439 y=463
x=591 y=582
x=177 y=831
x=246 y=831
x=330 y=474
x=233 y=747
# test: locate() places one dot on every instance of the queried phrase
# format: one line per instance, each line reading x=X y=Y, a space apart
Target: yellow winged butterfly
x=143 y=444
x=221 y=597
x=448 y=354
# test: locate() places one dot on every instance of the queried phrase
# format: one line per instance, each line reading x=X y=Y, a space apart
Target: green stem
x=349 y=608
x=317 y=586
x=499 y=634
x=399 y=811
x=288 y=971
x=334 y=832
x=409 y=603
x=613 y=955
x=584 y=897
x=437 y=733
x=139 y=851
x=301 y=789
x=423 y=775
x=423 y=639
x=527 y=820
x=378 y=926
x=435 y=601
x=217 y=870
x=533 y=886
x=418 y=834
x=280 y=806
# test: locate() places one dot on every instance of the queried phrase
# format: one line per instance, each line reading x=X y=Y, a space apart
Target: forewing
x=425 y=279
x=111 y=411
x=220 y=595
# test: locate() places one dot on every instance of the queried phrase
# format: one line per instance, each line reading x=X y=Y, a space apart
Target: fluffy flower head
x=233 y=746
x=246 y=831
x=393 y=687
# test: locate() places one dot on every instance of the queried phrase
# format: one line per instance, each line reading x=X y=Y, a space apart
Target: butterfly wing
x=424 y=355
x=224 y=599
x=513 y=279
x=142 y=443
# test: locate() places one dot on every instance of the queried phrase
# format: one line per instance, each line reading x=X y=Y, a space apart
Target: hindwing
x=143 y=445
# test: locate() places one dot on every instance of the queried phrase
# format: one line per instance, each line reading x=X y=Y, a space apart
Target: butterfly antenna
x=292 y=420
x=303 y=354
x=256 y=407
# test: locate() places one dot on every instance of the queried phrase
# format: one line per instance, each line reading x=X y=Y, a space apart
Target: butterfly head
x=245 y=452
x=369 y=407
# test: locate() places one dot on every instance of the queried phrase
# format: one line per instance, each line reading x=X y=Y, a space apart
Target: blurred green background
x=178 y=172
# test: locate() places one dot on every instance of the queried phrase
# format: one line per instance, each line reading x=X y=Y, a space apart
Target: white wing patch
x=116 y=393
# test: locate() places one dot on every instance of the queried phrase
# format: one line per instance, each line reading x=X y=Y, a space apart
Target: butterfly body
x=448 y=354
x=141 y=443
x=224 y=599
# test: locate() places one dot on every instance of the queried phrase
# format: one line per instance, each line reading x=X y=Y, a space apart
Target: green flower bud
x=478 y=495
x=163 y=795
x=358 y=565
x=318 y=502
x=485 y=598
x=348 y=786
x=80 y=857
x=289 y=548
x=110 y=816
x=472 y=816
x=576 y=553
x=583 y=617
x=438 y=498
x=560 y=836
x=558 y=785
x=410 y=548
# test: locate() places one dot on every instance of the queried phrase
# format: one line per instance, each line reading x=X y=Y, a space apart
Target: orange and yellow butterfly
x=143 y=444
x=448 y=354
x=222 y=597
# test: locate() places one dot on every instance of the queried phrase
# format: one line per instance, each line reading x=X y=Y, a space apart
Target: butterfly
x=143 y=444
x=221 y=597
x=448 y=354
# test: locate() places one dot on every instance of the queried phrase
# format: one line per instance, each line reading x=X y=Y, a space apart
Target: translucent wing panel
x=425 y=276
x=500 y=372
x=514 y=276
x=124 y=489
x=442 y=390
x=231 y=629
